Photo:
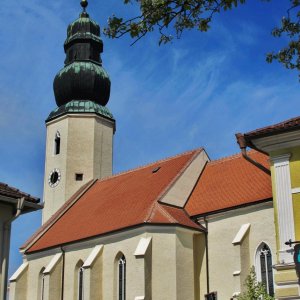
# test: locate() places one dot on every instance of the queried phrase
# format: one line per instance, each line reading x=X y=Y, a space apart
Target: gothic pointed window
x=264 y=270
x=79 y=281
x=80 y=284
x=122 y=278
x=41 y=285
x=57 y=143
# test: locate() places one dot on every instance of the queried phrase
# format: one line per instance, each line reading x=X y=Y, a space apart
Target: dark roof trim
x=28 y=205
x=230 y=208
x=14 y=193
x=201 y=229
x=285 y=126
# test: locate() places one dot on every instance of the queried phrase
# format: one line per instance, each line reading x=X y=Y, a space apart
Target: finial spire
x=84 y=4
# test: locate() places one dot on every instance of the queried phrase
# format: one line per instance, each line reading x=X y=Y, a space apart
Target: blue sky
x=197 y=91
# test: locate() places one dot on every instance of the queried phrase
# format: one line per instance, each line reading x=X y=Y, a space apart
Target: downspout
x=207 y=262
x=243 y=146
x=5 y=247
x=62 y=273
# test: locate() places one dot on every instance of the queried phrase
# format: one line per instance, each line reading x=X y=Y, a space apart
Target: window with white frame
x=122 y=278
x=264 y=270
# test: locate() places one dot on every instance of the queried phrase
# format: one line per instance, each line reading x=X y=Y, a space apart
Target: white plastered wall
x=86 y=145
x=230 y=262
x=6 y=214
x=169 y=255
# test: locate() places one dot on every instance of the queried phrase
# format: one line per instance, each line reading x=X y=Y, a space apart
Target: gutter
x=5 y=247
x=207 y=260
x=243 y=146
x=62 y=273
x=28 y=205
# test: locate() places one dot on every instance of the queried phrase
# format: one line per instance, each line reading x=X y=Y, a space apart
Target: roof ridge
x=155 y=207
x=178 y=175
x=230 y=157
x=174 y=179
x=168 y=215
x=150 y=164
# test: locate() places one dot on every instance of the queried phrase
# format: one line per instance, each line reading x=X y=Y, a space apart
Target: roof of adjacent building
x=230 y=182
x=288 y=125
x=132 y=198
x=14 y=193
x=119 y=202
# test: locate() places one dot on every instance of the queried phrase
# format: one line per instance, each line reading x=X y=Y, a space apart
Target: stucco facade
x=86 y=145
x=13 y=203
x=233 y=259
x=6 y=214
x=164 y=271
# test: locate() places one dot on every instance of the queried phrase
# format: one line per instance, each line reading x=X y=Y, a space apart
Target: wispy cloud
x=198 y=91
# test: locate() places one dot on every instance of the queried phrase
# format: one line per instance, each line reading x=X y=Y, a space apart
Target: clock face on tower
x=54 y=178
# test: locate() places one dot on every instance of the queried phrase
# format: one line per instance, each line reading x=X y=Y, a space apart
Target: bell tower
x=79 y=143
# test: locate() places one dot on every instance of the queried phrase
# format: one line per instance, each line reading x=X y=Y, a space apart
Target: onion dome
x=83 y=77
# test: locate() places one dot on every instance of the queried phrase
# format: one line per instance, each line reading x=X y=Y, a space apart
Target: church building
x=185 y=227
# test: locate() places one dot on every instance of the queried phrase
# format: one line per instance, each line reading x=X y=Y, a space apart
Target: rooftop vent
x=155 y=170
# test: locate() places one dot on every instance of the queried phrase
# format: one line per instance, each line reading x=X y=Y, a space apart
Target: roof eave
x=227 y=209
x=29 y=206
x=201 y=229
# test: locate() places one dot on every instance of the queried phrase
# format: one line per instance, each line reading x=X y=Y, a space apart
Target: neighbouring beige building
x=184 y=228
x=13 y=203
x=282 y=143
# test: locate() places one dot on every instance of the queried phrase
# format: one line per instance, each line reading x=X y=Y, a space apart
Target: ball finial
x=84 y=4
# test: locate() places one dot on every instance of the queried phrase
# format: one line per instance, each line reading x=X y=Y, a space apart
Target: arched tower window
x=78 y=281
x=264 y=270
x=57 y=143
x=122 y=278
x=41 y=285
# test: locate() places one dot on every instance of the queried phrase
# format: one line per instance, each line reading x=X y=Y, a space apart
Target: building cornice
x=277 y=141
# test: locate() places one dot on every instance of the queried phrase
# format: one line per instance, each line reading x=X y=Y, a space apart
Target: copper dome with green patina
x=83 y=78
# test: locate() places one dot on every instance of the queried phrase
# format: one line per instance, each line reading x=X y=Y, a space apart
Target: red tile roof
x=230 y=182
x=132 y=198
x=119 y=202
x=11 y=192
x=288 y=125
x=58 y=213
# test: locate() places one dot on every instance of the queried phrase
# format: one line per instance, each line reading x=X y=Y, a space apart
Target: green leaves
x=289 y=55
x=170 y=17
x=254 y=290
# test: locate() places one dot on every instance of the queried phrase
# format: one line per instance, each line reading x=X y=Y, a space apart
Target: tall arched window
x=41 y=285
x=78 y=281
x=80 y=284
x=122 y=278
x=57 y=143
x=264 y=270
